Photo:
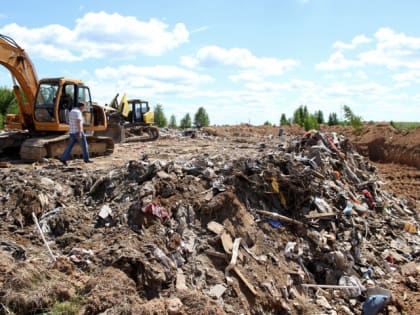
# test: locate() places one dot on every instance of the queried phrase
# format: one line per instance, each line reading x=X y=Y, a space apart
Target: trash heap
x=300 y=227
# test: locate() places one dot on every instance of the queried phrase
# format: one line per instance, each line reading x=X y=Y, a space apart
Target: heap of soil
x=383 y=143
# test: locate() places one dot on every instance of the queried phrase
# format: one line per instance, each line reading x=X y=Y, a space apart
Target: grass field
x=405 y=125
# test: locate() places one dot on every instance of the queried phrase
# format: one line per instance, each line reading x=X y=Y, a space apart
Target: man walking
x=76 y=134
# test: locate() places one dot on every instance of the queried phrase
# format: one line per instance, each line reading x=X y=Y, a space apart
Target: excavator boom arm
x=14 y=58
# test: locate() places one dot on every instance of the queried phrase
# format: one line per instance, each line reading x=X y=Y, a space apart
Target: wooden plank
x=280 y=217
x=227 y=242
x=235 y=251
x=320 y=215
x=215 y=254
x=215 y=227
x=245 y=281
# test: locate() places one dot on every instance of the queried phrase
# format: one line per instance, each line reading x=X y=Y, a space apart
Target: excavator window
x=138 y=112
x=66 y=103
x=45 y=100
x=83 y=96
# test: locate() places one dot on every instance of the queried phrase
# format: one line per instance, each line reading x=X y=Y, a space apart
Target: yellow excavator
x=40 y=129
x=135 y=119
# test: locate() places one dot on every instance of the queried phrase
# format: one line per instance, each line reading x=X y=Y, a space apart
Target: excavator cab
x=134 y=111
x=140 y=112
x=55 y=98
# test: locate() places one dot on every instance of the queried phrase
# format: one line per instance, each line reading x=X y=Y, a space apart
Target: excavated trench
x=381 y=151
x=385 y=144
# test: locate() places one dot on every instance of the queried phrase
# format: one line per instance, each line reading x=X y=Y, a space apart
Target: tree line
x=8 y=104
x=303 y=118
x=201 y=119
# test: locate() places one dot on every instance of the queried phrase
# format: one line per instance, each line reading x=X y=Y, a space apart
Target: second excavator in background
x=130 y=120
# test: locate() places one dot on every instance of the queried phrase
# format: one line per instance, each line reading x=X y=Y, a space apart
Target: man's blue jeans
x=74 y=137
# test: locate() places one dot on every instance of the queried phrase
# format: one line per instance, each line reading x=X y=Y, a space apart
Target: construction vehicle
x=135 y=118
x=40 y=129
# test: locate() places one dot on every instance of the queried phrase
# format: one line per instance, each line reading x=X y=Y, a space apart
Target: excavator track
x=141 y=133
x=36 y=149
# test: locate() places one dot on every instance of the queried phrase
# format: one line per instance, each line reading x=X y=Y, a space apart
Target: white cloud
x=200 y=29
x=50 y=42
x=367 y=90
x=188 y=61
x=161 y=73
x=148 y=81
x=238 y=58
x=392 y=50
x=114 y=33
x=359 y=39
x=407 y=77
x=337 y=61
x=355 y=75
x=245 y=76
x=300 y=86
x=99 y=35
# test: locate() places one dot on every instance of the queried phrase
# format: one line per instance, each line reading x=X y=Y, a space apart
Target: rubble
x=248 y=227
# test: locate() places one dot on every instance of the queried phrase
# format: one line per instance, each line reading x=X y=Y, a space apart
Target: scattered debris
x=232 y=225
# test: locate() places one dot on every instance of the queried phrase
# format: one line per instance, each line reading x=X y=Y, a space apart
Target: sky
x=242 y=61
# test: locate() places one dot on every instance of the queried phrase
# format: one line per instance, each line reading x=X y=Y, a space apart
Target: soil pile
x=209 y=223
x=383 y=143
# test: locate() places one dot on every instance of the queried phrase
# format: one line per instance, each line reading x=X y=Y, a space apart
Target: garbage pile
x=297 y=227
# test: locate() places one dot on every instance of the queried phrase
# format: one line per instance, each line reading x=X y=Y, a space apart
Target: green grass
x=67 y=307
x=405 y=125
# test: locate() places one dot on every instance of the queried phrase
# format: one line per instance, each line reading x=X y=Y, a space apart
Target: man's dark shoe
x=89 y=161
x=64 y=162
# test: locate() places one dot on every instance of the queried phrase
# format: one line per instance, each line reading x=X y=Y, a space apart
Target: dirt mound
x=249 y=130
x=383 y=143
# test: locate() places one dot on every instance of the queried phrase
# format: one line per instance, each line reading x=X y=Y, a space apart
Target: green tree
x=305 y=112
x=267 y=123
x=303 y=118
x=351 y=119
x=310 y=122
x=283 y=120
x=160 y=119
x=172 y=122
x=201 y=118
x=298 y=116
x=319 y=116
x=8 y=104
x=332 y=119
x=185 y=122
